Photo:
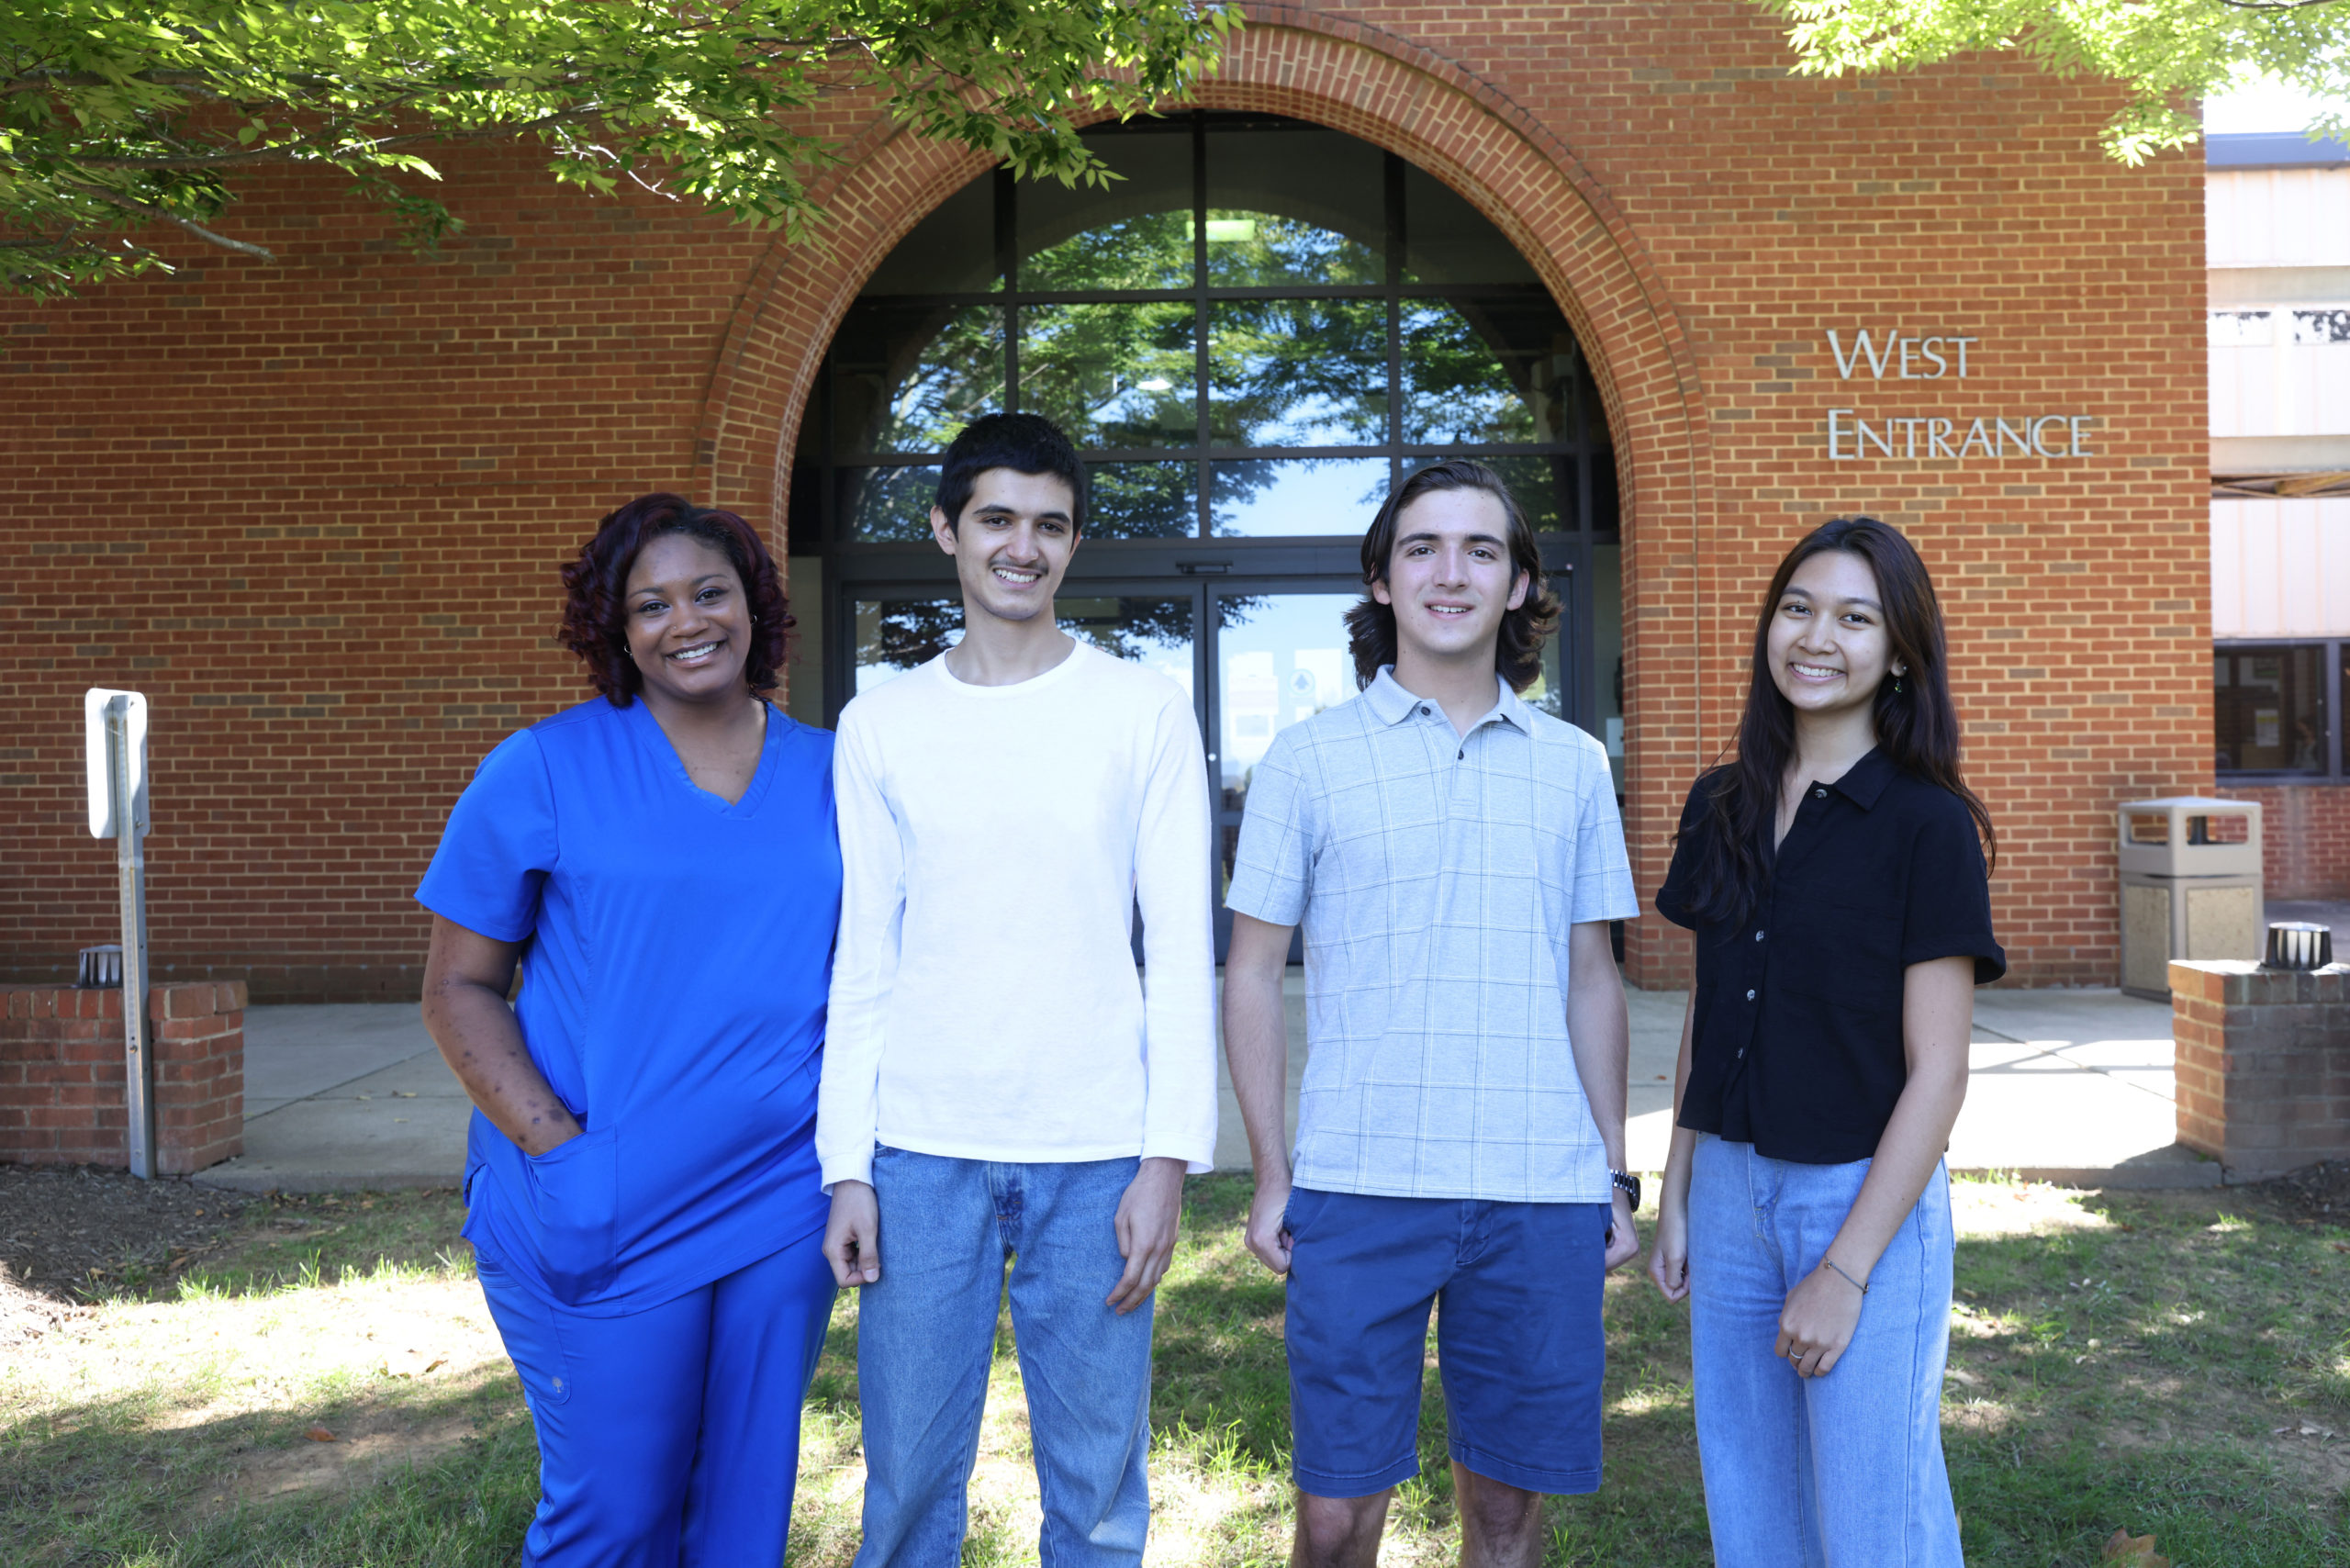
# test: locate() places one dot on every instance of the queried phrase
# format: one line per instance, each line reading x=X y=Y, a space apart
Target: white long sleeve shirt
x=994 y=842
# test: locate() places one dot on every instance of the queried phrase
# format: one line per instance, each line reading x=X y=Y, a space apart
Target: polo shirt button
x=1822 y=794
x=1742 y=1053
x=1424 y=710
x=1749 y=996
x=1758 y=936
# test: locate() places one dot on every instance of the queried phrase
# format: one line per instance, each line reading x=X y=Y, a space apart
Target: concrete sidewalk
x=2070 y=1086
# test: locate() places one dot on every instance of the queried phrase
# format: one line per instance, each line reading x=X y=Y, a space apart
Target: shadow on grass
x=102 y=1483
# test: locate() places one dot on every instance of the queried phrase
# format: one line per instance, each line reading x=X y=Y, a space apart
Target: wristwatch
x=1626 y=1184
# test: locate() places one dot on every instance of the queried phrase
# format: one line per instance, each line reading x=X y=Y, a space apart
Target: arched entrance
x=1454 y=134
x=1251 y=337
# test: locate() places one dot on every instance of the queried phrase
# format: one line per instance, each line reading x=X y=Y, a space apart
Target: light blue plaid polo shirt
x=1437 y=877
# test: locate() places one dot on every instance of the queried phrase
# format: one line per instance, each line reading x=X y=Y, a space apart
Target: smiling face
x=1827 y=646
x=1449 y=579
x=1013 y=544
x=689 y=620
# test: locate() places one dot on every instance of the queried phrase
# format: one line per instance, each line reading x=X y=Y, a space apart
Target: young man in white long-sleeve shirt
x=997 y=1079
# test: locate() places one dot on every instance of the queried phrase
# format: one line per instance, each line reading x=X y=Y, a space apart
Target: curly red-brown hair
x=594 y=626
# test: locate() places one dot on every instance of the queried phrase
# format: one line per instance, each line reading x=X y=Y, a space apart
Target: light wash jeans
x=926 y=1334
x=1837 y=1472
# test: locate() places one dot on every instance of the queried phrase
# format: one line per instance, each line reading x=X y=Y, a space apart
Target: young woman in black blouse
x=1834 y=875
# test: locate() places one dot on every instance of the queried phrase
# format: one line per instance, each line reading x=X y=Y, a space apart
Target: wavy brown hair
x=595 y=625
x=1916 y=725
x=1370 y=625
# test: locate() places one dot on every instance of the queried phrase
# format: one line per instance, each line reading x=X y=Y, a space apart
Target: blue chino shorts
x=1519 y=1343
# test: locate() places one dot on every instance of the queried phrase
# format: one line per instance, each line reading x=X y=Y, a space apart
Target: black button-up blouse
x=1797 y=1046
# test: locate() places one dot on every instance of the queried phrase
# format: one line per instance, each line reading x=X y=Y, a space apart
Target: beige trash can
x=2190 y=886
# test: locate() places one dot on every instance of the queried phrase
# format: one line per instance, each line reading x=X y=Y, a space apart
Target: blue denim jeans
x=1843 y=1471
x=926 y=1335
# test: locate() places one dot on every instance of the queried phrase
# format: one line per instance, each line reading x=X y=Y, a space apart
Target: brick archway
x=1516 y=171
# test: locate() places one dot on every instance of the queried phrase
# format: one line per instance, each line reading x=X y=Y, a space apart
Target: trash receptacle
x=2190 y=886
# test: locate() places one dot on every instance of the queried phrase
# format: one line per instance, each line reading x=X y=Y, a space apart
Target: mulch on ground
x=2321 y=1191
x=67 y=1230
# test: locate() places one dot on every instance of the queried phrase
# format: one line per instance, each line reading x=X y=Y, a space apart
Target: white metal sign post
x=114 y=740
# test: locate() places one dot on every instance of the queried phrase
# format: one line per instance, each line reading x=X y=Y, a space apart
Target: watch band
x=1627 y=1183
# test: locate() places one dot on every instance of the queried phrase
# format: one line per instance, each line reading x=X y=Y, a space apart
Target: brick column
x=2263 y=1064
x=62 y=1100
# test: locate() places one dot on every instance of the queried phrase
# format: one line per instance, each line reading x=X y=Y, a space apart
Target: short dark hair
x=1026 y=443
x=594 y=626
x=1370 y=625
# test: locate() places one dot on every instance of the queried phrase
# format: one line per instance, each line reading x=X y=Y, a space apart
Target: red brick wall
x=314 y=509
x=2305 y=838
x=62 y=1100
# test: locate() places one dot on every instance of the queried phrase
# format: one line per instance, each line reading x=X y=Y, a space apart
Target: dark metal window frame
x=857 y=568
x=1579 y=419
x=2334 y=649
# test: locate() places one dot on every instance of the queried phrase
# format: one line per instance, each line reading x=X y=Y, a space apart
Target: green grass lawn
x=2177 y=1365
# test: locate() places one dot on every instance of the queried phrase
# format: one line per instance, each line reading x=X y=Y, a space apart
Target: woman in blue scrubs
x=643 y=1201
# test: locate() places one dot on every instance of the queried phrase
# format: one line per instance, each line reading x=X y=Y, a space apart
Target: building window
x=2274 y=707
x=1251 y=335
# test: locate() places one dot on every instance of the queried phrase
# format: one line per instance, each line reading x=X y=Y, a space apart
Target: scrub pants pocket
x=533 y=1333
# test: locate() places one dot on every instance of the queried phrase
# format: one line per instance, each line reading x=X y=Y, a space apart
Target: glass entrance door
x=1279 y=653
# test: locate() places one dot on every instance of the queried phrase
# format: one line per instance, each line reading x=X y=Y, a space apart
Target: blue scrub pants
x=670 y=1438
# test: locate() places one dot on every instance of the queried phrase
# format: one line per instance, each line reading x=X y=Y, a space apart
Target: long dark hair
x=1917 y=726
x=1370 y=625
x=594 y=626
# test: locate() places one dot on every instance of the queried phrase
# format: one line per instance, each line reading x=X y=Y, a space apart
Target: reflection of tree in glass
x=1149 y=250
x=889 y=504
x=1254 y=250
x=940 y=378
x=1298 y=371
x=1111 y=376
x=1140 y=501
x=1459 y=387
x=1239 y=480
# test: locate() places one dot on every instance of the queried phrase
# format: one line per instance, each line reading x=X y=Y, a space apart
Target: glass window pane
x=1294 y=207
x=1135 y=232
x=1448 y=240
x=1268 y=497
x=2269 y=709
x=899 y=633
x=1544 y=488
x=1281 y=657
x=1142 y=500
x=1486 y=370
x=887 y=506
x=951 y=251
x=1298 y=372
x=906 y=378
x=1153 y=633
x=1112 y=375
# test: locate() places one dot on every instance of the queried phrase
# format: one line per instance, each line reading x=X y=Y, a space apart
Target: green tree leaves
x=114 y=116
x=2170 y=53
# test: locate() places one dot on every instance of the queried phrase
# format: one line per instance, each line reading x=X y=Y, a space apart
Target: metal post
x=131 y=865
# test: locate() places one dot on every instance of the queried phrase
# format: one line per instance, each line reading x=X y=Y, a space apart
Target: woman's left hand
x=1817 y=1321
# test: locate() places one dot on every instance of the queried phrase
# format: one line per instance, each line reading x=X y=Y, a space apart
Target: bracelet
x=1830 y=1263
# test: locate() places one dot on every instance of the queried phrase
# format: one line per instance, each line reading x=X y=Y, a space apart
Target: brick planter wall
x=2263 y=1064
x=61 y=1076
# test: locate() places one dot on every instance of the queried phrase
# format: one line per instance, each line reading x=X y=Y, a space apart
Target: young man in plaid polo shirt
x=1454 y=855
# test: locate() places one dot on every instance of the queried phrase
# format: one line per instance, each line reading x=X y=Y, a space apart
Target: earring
x=1896 y=681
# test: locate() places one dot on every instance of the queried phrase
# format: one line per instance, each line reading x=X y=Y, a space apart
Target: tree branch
x=101 y=194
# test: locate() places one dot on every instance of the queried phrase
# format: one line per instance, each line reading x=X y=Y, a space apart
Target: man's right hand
x=1267 y=1238
x=853 y=1235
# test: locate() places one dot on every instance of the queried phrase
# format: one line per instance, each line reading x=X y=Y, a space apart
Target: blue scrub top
x=677 y=951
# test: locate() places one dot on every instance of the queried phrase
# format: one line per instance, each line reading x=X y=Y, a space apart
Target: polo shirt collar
x=1866 y=780
x=1390 y=704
